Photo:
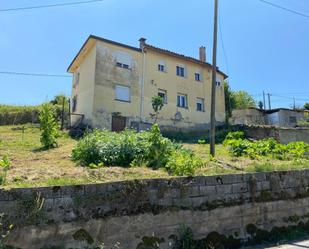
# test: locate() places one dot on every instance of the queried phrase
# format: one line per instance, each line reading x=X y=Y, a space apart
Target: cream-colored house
x=113 y=85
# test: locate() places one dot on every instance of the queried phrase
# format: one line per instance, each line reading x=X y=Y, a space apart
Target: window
x=218 y=82
x=197 y=76
x=182 y=100
x=163 y=95
x=122 y=93
x=180 y=71
x=74 y=103
x=122 y=59
x=161 y=68
x=200 y=105
x=119 y=64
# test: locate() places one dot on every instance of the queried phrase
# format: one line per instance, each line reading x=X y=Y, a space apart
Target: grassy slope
x=32 y=166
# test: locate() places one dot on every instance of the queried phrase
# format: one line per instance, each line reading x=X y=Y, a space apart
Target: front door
x=118 y=123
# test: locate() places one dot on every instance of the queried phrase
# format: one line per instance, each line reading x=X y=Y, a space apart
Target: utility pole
x=264 y=103
x=213 y=83
x=269 y=106
x=294 y=106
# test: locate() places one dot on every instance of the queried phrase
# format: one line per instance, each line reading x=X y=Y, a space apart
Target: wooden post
x=213 y=84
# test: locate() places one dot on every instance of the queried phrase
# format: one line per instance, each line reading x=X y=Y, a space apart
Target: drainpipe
x=142 y=46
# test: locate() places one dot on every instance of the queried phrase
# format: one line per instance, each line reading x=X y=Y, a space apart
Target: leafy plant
x=183 y=162
x=129 y=148
x=159 y=149
x=48 y=126
x=157 y=105
x=186 y=239
x=5 y=164
x=238 y=146
x=234 y=135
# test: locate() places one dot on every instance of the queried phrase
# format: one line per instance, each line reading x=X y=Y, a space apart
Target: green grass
x=32 y=166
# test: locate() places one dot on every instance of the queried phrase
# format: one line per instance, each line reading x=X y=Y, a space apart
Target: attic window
x=122 y=59
x=119 y=64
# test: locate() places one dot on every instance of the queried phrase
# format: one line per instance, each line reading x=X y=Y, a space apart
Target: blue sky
x=267 y=48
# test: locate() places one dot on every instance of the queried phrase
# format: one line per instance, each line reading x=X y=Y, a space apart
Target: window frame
x=161 y=67
x=182 y=72
x=129 y=92
x=122 y=65
x=165 y=94
x=179 y=95
x=199 y=76
x=202 y=104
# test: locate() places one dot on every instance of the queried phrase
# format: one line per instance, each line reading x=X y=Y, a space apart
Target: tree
x=48 y=126
x=236 y=100
x=306 y=106
x=260 y=104
x=157 y=105
x=58 y=100
x=229 y=101
x=243 y=100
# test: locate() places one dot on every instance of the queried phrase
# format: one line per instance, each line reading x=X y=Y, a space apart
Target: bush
x=129 y=148
x=265 y=147
x=183 y=162
x=159 y=149
x=48 y=126
x=234 y=135
x=5 y=164
x=110 y=148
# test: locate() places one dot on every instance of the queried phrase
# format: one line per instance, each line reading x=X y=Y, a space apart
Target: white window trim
x=162 y=63
x=186 y=100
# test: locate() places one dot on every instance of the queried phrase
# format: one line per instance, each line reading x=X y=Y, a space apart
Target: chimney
x=142 y=42
x=203 y=54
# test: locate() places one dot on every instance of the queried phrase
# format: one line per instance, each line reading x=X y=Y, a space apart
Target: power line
x=285 y=8
x=36 y=74
x=285 y=97
x=222 y=44
x=48 y=6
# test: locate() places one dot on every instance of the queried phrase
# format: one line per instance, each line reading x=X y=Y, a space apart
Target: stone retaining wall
x=141 y=214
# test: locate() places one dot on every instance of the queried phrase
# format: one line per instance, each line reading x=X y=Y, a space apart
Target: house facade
x=113 y=85
x=280 y=117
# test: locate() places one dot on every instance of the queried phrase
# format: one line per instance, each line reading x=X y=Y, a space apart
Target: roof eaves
x=103 y=40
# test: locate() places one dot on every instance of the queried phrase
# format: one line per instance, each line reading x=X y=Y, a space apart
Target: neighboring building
x=280 y=117
x=113 y=85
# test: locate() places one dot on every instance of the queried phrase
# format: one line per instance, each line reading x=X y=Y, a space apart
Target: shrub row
x=238 y=146
x=129 y=148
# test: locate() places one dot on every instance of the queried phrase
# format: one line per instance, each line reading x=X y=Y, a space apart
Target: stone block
x=240 y=188
x=4 y=195
x=198 y=201
x=230 y=179
x=210 y=180
x=192 y=191
x=264 y=185
x=172 y=193
x=224 y=189
x=199 y=180
x=182 y=202
x=50 y=192
x=207 y=190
